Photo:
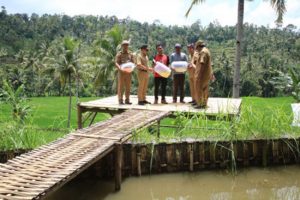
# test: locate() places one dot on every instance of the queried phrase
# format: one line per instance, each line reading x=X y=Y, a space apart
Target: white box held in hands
x=127 y=67
x=179 y=66
x=162 y=70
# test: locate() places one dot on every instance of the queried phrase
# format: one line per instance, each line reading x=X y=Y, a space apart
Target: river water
x=251 y=183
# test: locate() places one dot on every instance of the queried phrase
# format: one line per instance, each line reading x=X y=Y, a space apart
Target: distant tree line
x=55 y=55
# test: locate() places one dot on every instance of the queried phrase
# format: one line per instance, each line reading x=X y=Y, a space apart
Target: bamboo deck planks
x=216 y=106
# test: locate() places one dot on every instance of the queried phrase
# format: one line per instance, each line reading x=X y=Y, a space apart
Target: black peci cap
x=144 y=46
x=191 y=45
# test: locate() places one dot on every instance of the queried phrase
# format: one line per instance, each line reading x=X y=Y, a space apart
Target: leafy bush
x=295 y=75
x=17 y=101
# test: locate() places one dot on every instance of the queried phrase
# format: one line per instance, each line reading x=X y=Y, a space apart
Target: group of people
x=199 y=70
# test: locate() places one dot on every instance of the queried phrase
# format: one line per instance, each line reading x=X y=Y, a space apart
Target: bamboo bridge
x=36 y=174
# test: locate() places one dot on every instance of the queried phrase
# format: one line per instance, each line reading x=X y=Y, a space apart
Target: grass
x=48 y=121
x=260 y=118
x=49 y=112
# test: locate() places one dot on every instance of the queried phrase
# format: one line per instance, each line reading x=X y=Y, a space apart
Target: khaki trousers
x=143 y=79
x=201 y=92
x=191 y=72
x=124 y=81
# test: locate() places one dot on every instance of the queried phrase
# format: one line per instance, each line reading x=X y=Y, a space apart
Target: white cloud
x=169 y=12
x=264 y=14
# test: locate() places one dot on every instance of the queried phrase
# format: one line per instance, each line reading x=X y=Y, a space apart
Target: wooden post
x=255 y=151
x=138 y=160
x=245 y=154
x=118 y=166
x=191 y=153
x=79 y=116
x=212 y=154
x=265 y=153
x=139 y=168
x=275 y=152
x=201 y=155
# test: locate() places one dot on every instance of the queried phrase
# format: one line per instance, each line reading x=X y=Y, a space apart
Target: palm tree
x=64 y=66
x=104 y=54
x=278 y=5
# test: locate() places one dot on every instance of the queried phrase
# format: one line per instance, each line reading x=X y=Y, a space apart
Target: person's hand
x=150 y=69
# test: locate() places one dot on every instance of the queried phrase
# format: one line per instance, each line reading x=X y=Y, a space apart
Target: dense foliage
x=33 y=51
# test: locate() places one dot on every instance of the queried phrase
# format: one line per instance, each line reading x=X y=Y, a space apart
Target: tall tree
x=278 y=5
x=105 y=51
x=63 y=64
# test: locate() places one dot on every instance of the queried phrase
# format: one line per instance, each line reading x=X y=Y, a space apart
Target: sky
x=168 y=12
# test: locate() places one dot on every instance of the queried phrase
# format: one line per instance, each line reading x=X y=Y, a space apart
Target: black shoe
x=182 y=101
x=141 y=103
x=163 y=101
x=192 y=102
x=199 y=107
x=128 y=102
x=146 y=102
x=121 y=102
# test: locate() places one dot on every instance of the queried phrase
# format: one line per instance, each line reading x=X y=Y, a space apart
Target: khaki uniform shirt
x=191 y=70
x=202 y=60
x=142 y=60
x=124 y=57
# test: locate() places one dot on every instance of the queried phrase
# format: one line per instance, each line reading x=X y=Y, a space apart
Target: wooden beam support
x=79 y=116
x=93 y=118
x=158 y=128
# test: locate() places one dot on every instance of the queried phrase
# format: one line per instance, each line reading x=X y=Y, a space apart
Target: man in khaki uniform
x=203 y=74
x=124 y=77
x=191 y=72
x=143 y=74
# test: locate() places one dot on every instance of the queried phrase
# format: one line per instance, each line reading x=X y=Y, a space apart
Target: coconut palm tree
x=278 y=5
x=63 y=64
x=105 y=51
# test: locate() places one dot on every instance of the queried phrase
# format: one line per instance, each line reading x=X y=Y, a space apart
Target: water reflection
x=252 y=184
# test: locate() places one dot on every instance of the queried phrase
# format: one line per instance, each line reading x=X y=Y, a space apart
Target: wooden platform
x=216 y=106
x=35 y=174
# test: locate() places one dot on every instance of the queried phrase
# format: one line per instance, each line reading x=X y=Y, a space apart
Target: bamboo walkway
x=216 y=106
x=36 y=174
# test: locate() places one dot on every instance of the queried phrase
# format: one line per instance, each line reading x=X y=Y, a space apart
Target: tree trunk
x=70 y=101
x=236 y=78
x=77 y=89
